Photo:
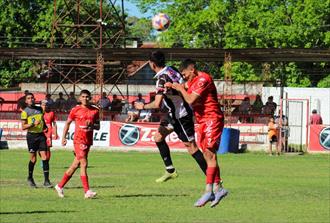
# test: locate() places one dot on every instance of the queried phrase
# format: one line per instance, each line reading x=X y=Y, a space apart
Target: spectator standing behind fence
x=284 y=129
x=104 y=102
x=60 y=103
x=71 y=102
x=257 y=105
x=315 y=119
x=21 y=101
x=50 y=101
x=270 y=106
x=273 y=136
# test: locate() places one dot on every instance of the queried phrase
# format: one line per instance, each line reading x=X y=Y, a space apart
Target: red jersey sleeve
x=72 y=114
x=200 y=85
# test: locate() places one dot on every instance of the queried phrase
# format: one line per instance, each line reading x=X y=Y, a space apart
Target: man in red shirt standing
x=315 y=118
x=201 y=94
x=86 y=118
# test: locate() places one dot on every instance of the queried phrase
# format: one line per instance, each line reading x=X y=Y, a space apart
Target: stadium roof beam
x=130 y=54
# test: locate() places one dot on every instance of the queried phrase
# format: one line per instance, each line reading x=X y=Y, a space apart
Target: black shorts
x=36 y=142
x=273 y=139
x=183 y=127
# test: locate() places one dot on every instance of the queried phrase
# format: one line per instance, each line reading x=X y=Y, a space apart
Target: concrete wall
x=134 y=89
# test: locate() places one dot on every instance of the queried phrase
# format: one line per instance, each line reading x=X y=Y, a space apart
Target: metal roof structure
x=176 y=54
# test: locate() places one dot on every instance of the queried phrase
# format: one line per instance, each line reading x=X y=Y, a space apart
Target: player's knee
x=83 y=163
x=158 y=137
x=209 y=154
x=190 y=147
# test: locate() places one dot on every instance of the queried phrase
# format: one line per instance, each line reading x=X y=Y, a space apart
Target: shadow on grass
x=35 y=212
x=150 y=195
x=100 y=186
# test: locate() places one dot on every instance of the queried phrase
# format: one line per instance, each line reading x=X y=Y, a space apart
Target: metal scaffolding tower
x=97 y=25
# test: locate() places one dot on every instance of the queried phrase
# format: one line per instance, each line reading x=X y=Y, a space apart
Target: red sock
x=210 y=174
x=217 y=178
x=84 y=181
x=64 y=180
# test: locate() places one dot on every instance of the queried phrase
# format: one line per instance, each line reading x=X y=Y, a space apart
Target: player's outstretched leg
x=170 y=172
x=59 y=191
x=167 y=176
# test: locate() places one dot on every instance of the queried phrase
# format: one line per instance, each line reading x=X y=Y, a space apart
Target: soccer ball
x=161 y=22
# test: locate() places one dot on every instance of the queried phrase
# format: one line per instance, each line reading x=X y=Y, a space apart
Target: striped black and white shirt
x=172 y=99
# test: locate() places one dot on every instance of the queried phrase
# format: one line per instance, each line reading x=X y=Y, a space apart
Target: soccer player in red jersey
x=50 y=121
x=86 y=118
x=201 y=94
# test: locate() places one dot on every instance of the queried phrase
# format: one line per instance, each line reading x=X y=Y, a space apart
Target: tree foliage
x=249 y=24
x=194 y=24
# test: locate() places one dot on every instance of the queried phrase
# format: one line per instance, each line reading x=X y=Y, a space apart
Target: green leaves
x=249 y=24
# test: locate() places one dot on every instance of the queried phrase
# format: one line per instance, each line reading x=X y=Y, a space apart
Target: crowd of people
x=249 y=112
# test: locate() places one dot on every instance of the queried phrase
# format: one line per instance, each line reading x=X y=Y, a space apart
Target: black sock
x=45 y=166
x=31 y=167
x=198 y=156
x=164 y=151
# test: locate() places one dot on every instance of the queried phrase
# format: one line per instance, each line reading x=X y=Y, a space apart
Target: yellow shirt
x=32 y=114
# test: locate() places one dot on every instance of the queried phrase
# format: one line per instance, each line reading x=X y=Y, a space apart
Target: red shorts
x=209 y=134
x=81 y=150
x=48 y=135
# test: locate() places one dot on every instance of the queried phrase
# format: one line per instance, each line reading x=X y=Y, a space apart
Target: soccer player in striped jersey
x=179 y=118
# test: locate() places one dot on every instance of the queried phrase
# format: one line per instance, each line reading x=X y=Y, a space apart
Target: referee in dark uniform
x=33 y=122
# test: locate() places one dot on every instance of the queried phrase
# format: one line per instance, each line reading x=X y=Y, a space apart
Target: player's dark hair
x=158 y=58
x=85 y=92
x=27 y=94
x=185 y=63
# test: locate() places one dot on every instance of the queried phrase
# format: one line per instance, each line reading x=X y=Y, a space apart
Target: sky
x=132 y=10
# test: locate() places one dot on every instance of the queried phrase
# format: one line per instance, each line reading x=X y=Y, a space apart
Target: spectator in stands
x=71 y=102
x=60 y=102
x=244 y=109
x=140 y=99
x=270 y=106
x=132 y=113
x=257 y=105
x=273 y=136
x=145 y=115
x=50 y=101
x=245 y=106
x=315 y=119
x=21 y=101
x=2 y=100
x=116 y=106
x=104 y=102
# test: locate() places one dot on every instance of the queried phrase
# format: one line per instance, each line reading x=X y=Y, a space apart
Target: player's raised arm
x=152 y=105
x=189 y=98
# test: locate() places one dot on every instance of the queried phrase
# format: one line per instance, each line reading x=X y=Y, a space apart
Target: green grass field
x=262 y=189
